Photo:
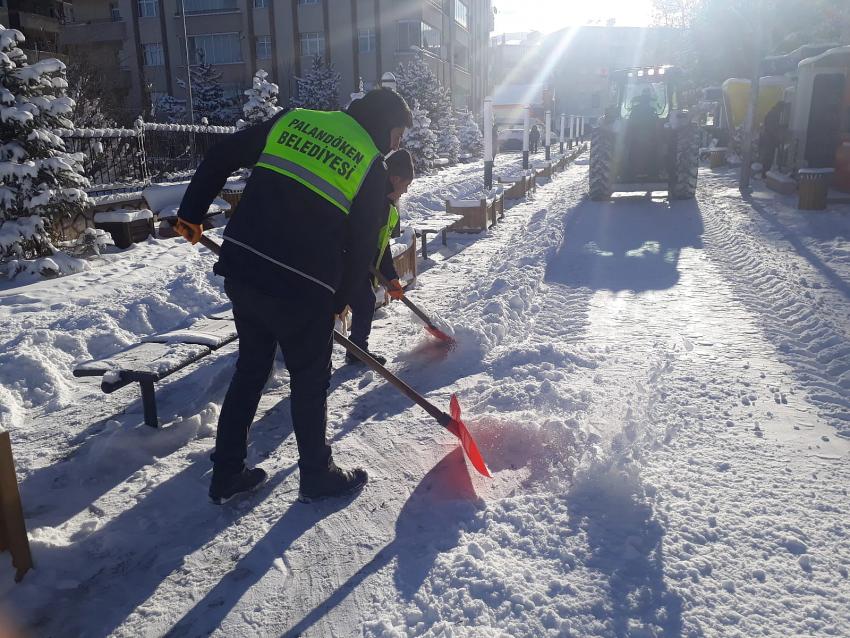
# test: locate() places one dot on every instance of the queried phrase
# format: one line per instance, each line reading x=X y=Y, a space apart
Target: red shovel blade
x=469 y=447
x=439 y=334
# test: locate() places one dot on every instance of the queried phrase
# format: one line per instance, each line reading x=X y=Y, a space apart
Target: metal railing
x=115 y=159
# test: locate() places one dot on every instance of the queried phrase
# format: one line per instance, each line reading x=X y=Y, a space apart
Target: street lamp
x=388 y=81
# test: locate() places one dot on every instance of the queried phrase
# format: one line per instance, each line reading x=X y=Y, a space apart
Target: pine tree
x=208 y=97
x=39 y=181
x=170 y=110
x=262 y=101
x=319 y=88
x=448 y=144
x=416 y=83
x=421 y=141
x=471 y=140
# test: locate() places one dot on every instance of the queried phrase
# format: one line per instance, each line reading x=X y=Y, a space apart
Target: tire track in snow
x=766 y=275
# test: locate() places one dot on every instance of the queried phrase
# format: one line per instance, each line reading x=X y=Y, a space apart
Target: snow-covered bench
x=781 y=183
x=159 y=356
x=164 y=200
x=403 y=251
x=517 y=186
x=474 y=213
x=126 y=226
x=544 y=168
x=433 y=225
x=717 y=156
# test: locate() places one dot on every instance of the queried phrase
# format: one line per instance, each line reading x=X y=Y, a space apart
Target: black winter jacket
x=288 y=223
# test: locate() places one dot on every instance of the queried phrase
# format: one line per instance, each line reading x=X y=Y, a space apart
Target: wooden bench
x=516 y=187
x=433 y=225
x=475 y=213
x=544 y=169
x=13 y=530
x=717 y=157
x=159 y=356
x=404 y=262
x=126 y=226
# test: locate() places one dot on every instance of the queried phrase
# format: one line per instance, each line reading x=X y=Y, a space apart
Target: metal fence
x=120 y=158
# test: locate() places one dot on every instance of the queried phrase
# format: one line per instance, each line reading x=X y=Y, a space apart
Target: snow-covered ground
x=661 y=390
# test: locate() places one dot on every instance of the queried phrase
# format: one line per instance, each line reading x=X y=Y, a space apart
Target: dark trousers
x=362 y=306
x=305 y=336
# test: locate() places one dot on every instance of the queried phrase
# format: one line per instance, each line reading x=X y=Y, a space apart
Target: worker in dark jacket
x=301 y=238
x=399 y=176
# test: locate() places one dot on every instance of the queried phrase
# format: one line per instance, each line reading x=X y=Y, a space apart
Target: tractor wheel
x=687 y=163
x=601 y=163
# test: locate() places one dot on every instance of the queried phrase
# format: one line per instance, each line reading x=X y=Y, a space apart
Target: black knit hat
x=379 y=112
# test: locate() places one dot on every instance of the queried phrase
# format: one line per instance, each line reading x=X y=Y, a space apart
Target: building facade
x=151 y=40
x=39 y=21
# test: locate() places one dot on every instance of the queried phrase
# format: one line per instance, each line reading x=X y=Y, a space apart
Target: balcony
x=93 y=31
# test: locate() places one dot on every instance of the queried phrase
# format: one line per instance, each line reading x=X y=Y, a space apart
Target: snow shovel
x=429 y=325
x=452 y=422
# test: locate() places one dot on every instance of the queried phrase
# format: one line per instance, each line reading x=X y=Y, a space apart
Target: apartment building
x=39 y=21
x=151 y=40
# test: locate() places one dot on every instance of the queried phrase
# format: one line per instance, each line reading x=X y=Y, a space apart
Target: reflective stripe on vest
x=384 y=234
x=326 y=151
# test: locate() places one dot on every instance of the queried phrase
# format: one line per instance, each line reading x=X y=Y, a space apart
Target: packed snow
x=660 y=388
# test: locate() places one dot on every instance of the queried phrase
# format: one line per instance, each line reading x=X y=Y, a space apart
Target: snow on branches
x=39 y=181
x=471 y=140
x=418 y=84
x=420 y=140
x=319 y=88
x=262 y=101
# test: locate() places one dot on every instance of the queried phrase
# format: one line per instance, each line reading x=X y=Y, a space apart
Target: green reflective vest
x=384 y=234
x=326 y=151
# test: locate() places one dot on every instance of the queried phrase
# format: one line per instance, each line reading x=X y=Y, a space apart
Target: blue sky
x=551 y=15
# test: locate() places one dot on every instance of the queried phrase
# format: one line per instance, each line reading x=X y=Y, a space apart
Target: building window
x=209 y=6
x=308 y=1
x=412 y=33
x=153 y=54
x=431 y=38
x=148 y=9
x=366 y=40
x=461 y=54
x=261 y=4
x=215 y=48
x=313 y=43
x=264 y=47
x=461 y=14
x=409 y=34
x=114 y=11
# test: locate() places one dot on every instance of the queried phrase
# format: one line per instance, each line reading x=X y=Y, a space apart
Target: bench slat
x=213 y=333
x=144 y=362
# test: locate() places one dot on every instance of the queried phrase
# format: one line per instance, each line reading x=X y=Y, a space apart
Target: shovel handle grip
x=407 y=302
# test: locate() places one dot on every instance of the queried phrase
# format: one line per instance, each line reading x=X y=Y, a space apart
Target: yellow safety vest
x=384 y=234
x=326 y=151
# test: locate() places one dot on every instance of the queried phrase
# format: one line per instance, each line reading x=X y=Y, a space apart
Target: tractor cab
x=644 y=93
x=644 y=142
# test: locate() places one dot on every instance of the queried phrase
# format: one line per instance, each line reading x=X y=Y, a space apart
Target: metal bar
x=149 y=403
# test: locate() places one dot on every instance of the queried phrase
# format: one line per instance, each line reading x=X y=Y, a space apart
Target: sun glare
x=551 y=15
